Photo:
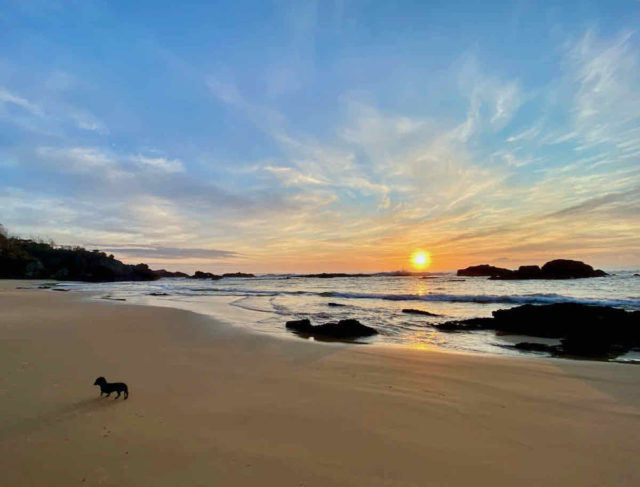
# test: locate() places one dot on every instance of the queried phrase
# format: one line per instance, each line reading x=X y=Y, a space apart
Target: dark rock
x=336 y=305
x=162 y=273
x=485 y=270
x=523 y=272
x=636 y=275
x=589 y=331
x=529 y=272
x=465 y=325
x=60 y=290
x=412 y=311
x=302 y=326
x=158 y=294
x=237 y=274
x=569 y=269
x=561 y=319
x=343 y=330
x=555 y=269
x=205 y=275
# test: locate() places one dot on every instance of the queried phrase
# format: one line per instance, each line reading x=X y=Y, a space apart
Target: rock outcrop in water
x=342 y=330
x=587 y=331
x=555 y=269
x=483 y=270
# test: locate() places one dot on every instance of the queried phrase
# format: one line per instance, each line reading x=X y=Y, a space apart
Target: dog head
x=100 y=381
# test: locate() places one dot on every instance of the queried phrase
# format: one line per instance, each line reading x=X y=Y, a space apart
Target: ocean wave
x=492 y=298
x=516 y=299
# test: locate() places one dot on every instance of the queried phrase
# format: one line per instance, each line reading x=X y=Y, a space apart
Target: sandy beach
x=216 y=405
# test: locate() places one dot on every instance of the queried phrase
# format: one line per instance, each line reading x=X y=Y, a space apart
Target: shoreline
x=226 y=308
x=215 y=404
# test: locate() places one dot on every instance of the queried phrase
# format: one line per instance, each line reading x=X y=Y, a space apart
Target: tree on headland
x=37 y=259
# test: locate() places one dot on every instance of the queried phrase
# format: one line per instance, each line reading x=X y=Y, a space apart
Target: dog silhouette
x=109 y=387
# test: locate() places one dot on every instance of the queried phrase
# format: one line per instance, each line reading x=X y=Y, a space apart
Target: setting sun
x=420 y=259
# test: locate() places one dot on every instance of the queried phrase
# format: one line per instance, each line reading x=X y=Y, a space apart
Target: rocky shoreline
x=583 y=330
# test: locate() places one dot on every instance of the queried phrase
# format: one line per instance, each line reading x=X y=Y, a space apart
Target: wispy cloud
x=160 y=252
x=8 y=98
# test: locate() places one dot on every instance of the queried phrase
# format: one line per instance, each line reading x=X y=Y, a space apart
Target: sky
x=309 y=136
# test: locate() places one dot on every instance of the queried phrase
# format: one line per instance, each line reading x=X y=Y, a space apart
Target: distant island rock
x=555 y=269
x=331 y=275
x=162 y=273
x=205 y=275
x=238 y=274
x=216 y=277
x=342 y=330
x=584 y=330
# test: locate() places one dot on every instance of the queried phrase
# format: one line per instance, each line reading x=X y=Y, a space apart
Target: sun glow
x=420 y=260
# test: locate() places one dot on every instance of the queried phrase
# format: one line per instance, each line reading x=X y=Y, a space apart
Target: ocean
x=264 y=303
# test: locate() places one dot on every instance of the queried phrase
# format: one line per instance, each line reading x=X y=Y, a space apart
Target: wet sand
x=215 y=405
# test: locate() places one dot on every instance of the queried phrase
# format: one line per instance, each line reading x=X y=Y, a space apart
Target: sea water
x=376 y=301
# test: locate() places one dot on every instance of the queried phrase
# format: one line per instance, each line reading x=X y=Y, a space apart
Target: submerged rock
x=342 y=330
x=412 y=311
x=465 y=325
x=237 y=274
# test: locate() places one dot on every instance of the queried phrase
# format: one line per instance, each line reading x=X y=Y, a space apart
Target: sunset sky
x=323 y=136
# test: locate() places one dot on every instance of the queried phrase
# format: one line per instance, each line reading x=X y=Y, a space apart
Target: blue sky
x=333 y=135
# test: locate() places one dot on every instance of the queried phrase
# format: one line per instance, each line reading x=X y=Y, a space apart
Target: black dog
x=107 y=388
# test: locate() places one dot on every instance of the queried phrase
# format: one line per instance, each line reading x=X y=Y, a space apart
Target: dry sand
x=213 y=405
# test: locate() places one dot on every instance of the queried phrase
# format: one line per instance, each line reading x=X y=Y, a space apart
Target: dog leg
x=117 y=395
